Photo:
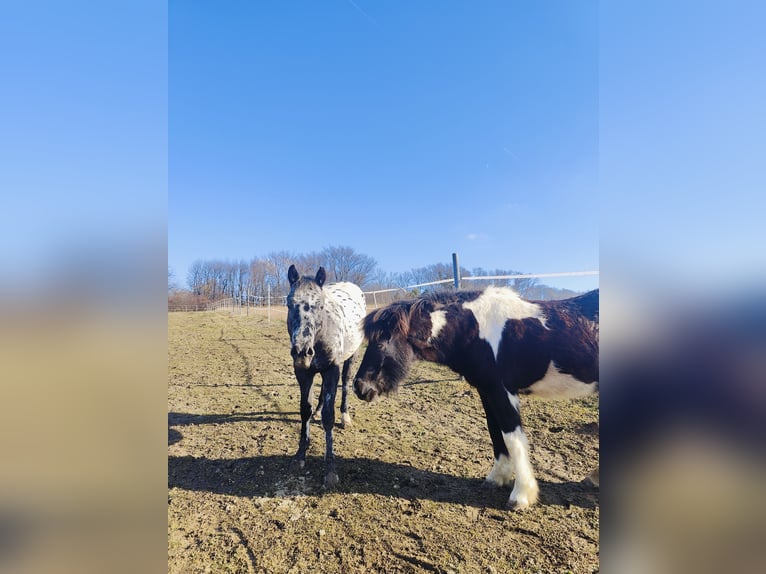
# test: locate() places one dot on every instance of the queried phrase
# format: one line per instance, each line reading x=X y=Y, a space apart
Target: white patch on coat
x=494 y=307
x=502 y=471
x=525 y=488
x=514 y=400
x=346 y=307
x=438 y=320
x=557 y=385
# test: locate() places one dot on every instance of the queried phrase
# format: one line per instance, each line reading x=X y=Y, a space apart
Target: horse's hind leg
x=329 y=389
x=345 y=416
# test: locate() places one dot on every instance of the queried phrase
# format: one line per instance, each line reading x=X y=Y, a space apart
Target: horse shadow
x=183 y=419
x=268 y=476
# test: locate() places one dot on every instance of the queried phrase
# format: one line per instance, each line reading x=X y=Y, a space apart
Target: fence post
x=268 y=299
x=456 y=271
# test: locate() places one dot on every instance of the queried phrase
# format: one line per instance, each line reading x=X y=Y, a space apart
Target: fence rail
x=278 y=302
x=530 y=275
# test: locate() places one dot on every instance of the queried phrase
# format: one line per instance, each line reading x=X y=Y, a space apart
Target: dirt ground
x=411 y=468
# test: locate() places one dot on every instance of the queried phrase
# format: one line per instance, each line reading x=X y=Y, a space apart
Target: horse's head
x=394 y=336
x=305 y=306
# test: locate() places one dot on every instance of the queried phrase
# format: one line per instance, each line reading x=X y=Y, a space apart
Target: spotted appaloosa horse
x=503 y=345
x=325 y=326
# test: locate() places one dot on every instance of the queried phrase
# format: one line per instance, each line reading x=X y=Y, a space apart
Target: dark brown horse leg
x=318 y=408
x=329 y=389
x=345 y=416
x=305 y=380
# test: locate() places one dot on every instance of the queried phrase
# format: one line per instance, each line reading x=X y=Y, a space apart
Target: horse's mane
x=395 y=318
x=448 y=297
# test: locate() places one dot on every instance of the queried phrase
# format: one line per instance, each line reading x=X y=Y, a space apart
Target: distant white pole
x=268 y=299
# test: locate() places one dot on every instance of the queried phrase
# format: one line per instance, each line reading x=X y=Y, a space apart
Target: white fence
x=260 y=304
x=488 y=278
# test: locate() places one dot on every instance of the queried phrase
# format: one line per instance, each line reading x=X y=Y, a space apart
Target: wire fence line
x=531 y=275
x=488 y=278
x=278 y=303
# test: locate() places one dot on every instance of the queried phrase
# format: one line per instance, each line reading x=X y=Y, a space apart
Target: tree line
x=260 y=277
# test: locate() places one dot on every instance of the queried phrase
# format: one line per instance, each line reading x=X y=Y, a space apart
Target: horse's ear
x=321 y=276
x=292 y=274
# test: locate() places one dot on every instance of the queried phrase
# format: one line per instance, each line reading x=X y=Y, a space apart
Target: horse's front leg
x=305 y=380
x=345 y=416
x=329 y=388
x=512 y=454
x=318 y=408
x=502 y=470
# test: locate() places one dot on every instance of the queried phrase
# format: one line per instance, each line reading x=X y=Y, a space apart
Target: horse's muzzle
x=302 y=359
x=364 y=391
x=302 y=362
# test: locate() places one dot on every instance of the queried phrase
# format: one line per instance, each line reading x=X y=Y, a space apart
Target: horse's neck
x=447 y=345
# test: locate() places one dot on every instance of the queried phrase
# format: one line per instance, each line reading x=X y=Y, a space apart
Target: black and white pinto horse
x=501 y=344
x=324 y=322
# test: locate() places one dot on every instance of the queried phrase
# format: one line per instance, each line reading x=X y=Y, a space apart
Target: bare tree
x=278 y=263
x=309 y=263
x=172 y=284
x=195 y=277
x=524 y=286
x=213 y=279
x=258 y=274
x=381 y=280
x=345 y=264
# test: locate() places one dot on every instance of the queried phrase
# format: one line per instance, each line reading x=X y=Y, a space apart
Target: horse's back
x=348 y=307
x=349 y=296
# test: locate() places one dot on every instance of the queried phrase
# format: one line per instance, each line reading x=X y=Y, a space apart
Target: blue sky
x=682 y=143
x=521 y=135
x=83 y=132
x=406 y=130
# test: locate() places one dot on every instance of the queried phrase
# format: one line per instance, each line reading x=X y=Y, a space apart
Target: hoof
x=517 y=505
x=523 y=498
x=345 y=420
x=591 y=481
x=331 y=480
x=297 y=464
x=502 y=472
x=520 y=503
